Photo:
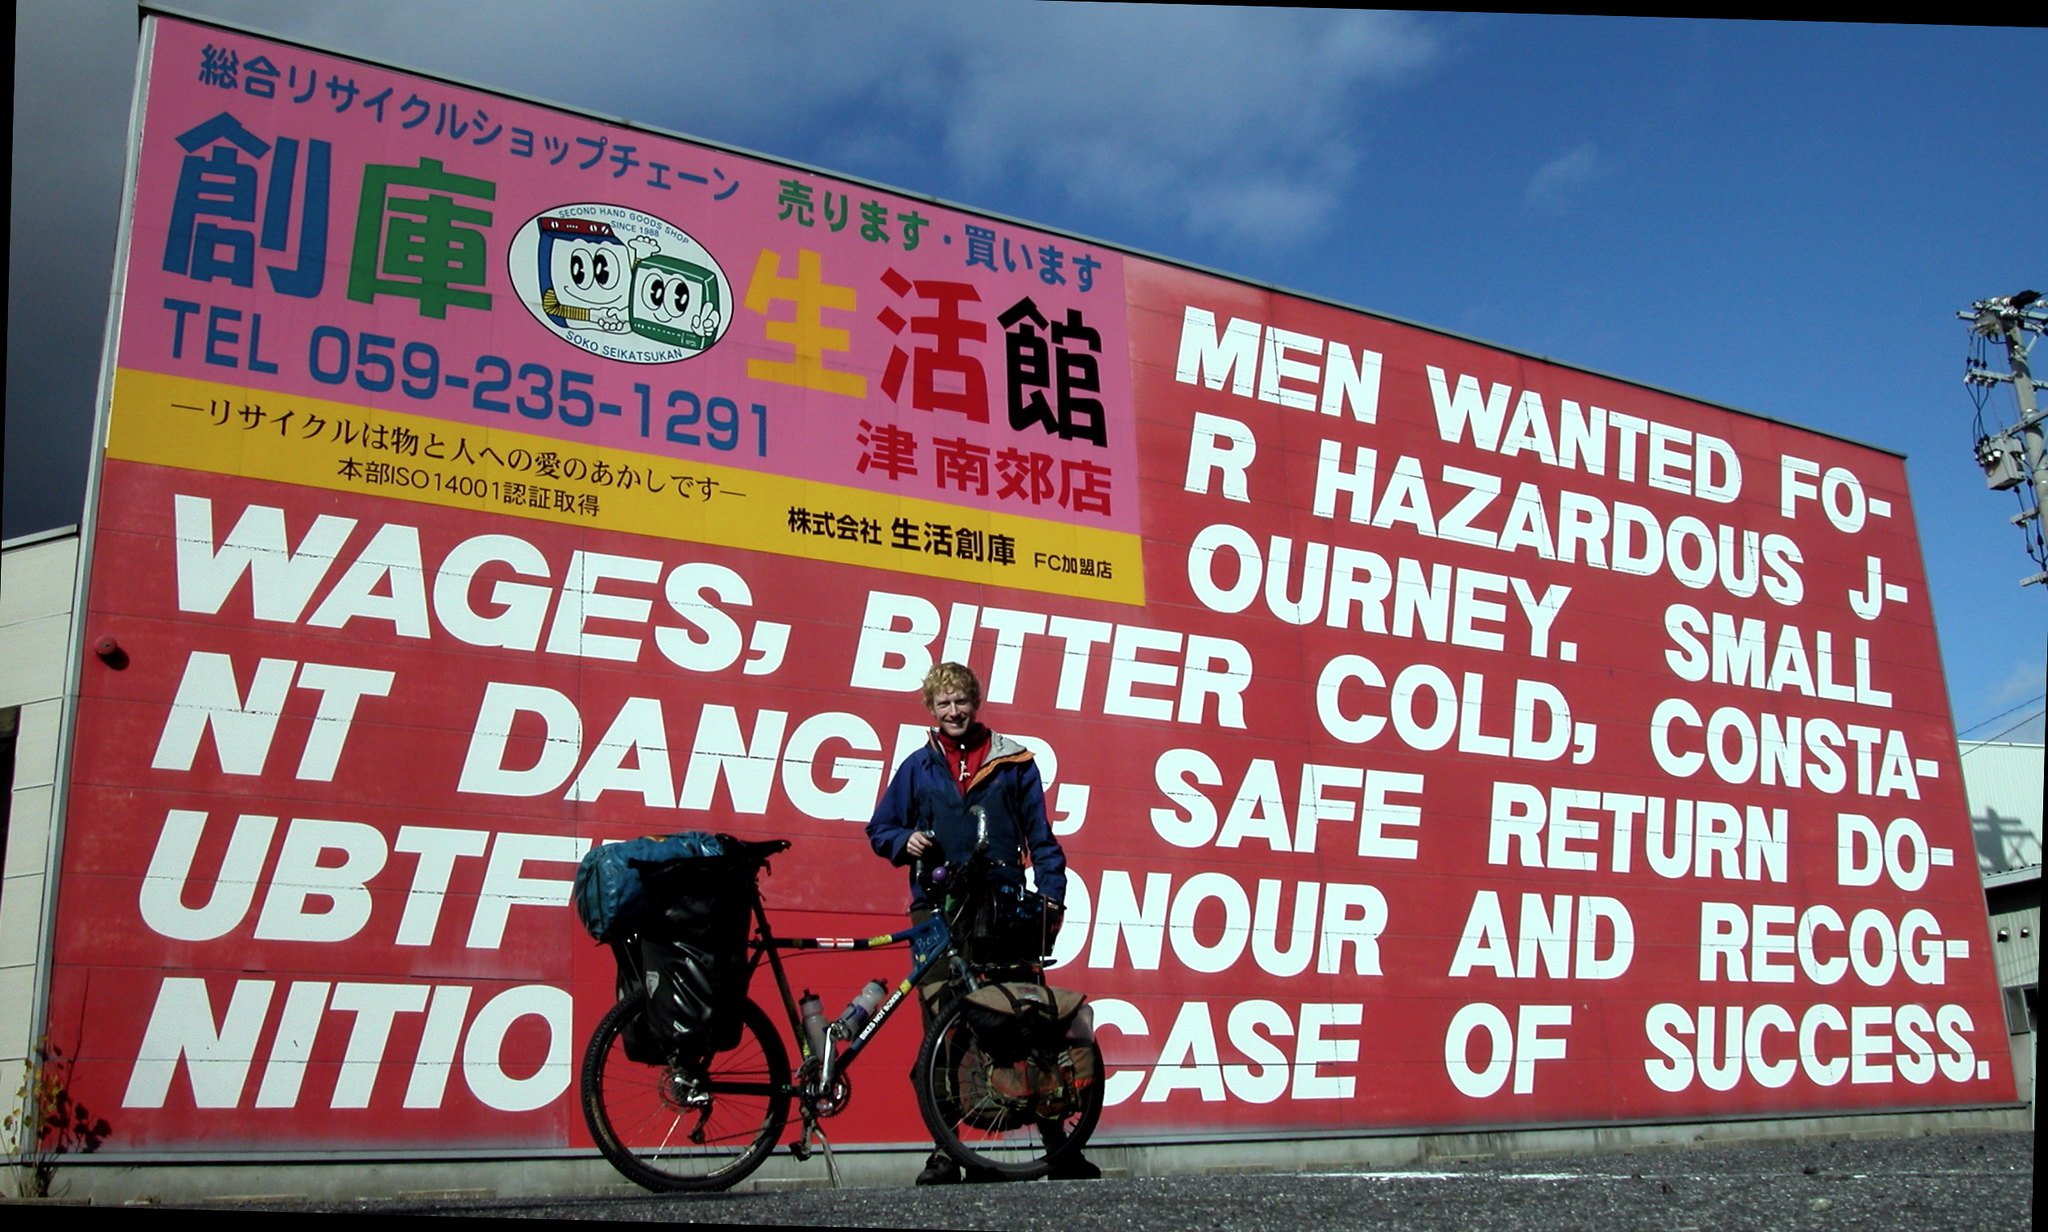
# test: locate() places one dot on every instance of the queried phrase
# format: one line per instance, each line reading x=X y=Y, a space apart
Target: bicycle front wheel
x=1015 y=1117
x=669 y=1128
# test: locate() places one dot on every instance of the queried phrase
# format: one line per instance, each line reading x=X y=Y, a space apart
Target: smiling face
x=589 y=273
x=953 y=710
x=661 y=297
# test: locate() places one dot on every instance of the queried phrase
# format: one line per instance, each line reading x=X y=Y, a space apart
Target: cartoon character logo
x=619 y=283
x=583 y=267
x=676 y=302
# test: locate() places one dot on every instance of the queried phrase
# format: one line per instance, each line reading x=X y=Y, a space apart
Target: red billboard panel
x=1439 y=737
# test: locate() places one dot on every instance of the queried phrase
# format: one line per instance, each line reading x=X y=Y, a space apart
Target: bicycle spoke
x=666 y=1131
x=1014 y=1119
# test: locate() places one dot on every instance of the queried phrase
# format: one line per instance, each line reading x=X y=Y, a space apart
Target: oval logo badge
x=620 y=284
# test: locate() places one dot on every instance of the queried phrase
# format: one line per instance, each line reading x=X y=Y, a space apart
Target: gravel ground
x=1965 y=1181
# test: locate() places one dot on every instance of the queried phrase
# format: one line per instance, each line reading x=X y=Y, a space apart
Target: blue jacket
x=1006 y=792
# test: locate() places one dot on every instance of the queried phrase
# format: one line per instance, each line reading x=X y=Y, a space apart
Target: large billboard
x=1440 y=738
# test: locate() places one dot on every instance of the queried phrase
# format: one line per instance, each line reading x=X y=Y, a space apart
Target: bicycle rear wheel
x=1016 y=1120
x=669 y=1129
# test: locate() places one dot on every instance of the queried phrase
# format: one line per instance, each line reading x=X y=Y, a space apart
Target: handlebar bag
x=998 y=921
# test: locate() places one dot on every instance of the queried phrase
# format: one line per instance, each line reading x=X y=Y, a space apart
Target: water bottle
x=861 y=1008
x=813 y=1011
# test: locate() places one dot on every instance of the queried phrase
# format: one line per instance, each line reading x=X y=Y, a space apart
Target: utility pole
x=2012 y=457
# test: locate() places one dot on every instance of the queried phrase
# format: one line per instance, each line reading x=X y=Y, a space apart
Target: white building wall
x=37 y=576
x=2004 y=784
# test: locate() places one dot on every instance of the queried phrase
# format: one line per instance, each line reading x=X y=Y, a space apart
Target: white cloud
x=2023 y=684
x=1230 y=122
x=1555 y=182
x=1235 y=122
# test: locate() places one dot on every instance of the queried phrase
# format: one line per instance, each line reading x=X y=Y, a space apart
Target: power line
x=2001 y=714
x=1991 y=739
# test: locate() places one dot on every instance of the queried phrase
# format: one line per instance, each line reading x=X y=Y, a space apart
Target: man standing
x=966 y=786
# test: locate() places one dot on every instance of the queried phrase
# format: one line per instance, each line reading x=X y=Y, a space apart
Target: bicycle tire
x=1015 y=1121
x=664 y=1135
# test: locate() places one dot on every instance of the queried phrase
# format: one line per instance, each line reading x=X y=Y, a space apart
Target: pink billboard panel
x=1439 y=738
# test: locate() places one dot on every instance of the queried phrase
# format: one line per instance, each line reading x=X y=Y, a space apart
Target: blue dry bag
x=611 y=898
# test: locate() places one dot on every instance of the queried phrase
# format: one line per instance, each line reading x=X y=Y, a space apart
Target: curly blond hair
x=951 y=676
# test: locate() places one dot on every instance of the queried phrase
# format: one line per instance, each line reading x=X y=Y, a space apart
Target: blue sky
x=1780 y=217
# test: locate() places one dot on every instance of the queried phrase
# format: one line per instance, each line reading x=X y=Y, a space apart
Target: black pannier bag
x=693 y=954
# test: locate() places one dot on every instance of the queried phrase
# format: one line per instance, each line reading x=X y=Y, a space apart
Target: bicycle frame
x=931 y=943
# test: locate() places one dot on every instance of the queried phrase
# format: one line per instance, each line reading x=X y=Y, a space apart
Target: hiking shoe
x=1074 y=1167
x=939 y=1170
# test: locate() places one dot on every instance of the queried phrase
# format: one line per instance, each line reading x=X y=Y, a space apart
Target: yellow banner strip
x=258 y=434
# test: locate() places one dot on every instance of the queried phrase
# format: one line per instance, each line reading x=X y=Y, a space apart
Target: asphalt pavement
x=1962 y=1181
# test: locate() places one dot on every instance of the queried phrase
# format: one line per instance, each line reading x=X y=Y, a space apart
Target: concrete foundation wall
x=107 y=1183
